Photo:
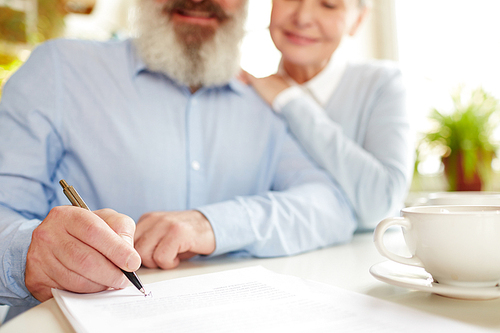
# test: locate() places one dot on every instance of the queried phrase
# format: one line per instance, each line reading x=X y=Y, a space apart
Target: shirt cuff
x=287 y=95
x=231 y=225
x=14 y=252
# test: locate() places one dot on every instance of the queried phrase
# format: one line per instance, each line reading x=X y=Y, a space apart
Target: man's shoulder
x=79 y=45
x=81 y=51
x=247 y=92
x=248 y=101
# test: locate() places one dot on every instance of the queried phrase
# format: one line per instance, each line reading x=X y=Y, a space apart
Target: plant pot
x=455 y=174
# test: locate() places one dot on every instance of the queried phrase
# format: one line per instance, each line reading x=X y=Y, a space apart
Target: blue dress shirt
x=136 y=141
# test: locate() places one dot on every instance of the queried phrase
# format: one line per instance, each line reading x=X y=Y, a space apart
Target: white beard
x=215 y=62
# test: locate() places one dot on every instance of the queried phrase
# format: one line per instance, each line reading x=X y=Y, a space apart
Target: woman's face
x=307 y=32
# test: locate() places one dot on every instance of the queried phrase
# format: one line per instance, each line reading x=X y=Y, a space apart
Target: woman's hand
x=267 y=87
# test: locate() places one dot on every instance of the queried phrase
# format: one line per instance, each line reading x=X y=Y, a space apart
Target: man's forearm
x=301 y=219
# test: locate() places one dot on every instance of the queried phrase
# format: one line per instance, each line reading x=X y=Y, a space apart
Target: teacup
x=463 y=198
x=457 y=245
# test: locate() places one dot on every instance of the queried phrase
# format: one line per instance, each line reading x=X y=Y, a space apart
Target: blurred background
x=448 y=50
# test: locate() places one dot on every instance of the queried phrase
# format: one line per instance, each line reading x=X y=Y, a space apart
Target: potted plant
x=464 y=139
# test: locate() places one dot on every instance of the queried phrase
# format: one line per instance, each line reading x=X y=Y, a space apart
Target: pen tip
x=143 y=291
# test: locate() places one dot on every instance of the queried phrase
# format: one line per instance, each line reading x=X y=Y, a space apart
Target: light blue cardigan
x=362 y=138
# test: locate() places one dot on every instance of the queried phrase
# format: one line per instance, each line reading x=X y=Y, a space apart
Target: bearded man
x=154 y=130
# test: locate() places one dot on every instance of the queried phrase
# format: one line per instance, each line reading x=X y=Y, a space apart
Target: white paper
x=243 y=300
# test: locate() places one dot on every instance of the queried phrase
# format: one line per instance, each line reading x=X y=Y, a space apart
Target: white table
x=346 y=266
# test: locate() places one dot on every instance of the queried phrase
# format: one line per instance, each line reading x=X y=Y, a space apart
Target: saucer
x=418 y=279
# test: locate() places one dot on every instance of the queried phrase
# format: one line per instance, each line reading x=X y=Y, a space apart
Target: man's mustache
x=207 y=6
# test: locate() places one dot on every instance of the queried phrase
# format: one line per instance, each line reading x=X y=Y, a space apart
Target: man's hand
x=78 y=250
x=163 y=239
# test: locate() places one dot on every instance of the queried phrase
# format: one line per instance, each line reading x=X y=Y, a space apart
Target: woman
x=350 y=118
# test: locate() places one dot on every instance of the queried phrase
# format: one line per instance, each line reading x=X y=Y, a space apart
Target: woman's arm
x=374 y=174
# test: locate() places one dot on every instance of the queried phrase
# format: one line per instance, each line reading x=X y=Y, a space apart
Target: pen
x=77 y=201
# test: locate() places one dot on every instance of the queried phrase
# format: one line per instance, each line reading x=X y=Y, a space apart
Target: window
x=258 y=54
x=443 y=44
x=446 y=43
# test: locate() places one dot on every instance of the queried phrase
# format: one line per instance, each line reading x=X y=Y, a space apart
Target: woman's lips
x=299 y=39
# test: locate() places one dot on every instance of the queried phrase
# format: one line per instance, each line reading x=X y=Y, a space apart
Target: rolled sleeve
x=286 y=96
x=16 y=238
x=231 y=225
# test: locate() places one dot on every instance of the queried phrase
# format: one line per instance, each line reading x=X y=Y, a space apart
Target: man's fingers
x=69 y=280
x=158 y=241
x=170 y=251
x=164 y=238
x=76 y=250
x=79 y=259
x=92 y=230
x=45 y=271
x=122 y=224
x=146 y=243
x=166 y=253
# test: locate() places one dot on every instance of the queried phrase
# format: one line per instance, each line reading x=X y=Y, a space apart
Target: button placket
x=195 y=165
x=195 y=155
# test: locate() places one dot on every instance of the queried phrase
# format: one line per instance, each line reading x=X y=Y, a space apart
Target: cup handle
x=378 y=238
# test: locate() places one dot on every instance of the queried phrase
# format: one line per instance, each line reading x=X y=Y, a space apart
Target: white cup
x=463 y=198
x=457 y=245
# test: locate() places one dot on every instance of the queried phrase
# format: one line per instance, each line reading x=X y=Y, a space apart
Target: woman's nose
x=304 y=14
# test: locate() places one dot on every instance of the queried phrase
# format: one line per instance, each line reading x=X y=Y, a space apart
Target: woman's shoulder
x=376 y=69
x=372 y=71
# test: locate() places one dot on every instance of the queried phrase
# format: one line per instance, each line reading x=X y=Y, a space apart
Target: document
x=243 y=300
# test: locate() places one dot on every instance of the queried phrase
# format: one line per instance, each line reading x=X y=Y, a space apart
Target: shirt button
x=195 y=165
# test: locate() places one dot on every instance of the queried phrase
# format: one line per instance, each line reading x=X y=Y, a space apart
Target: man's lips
x=299 y=39
x=195 y=13
x=196 y=17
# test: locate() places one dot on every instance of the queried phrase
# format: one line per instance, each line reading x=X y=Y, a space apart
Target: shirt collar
x=322 y=86
x=137 y=64
x=237 y=86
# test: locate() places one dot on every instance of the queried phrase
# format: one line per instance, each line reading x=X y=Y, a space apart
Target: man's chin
x=193 y=34
x=191 y=54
